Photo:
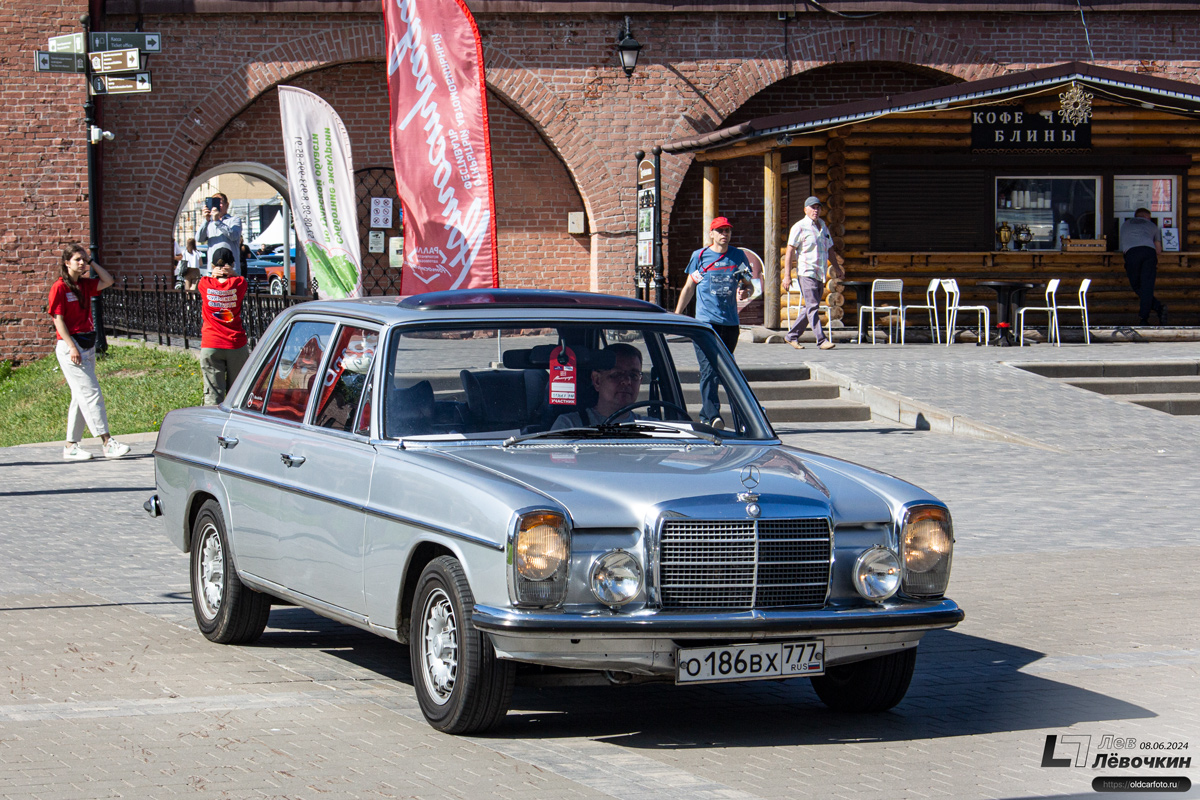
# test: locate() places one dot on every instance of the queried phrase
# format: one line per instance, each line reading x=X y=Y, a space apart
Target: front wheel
x=874 y=685
x=276 y=286
x=461 y=685
x=227 y=611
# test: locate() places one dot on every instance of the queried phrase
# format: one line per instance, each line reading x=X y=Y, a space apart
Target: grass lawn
x=140 y=386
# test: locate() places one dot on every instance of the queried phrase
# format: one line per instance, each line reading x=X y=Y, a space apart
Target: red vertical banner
x=441 y=148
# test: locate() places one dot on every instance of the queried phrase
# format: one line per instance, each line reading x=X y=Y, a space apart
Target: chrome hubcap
x=440 y=646
x=211 y=571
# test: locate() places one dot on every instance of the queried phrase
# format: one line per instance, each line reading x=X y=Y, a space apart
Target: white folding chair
x=1051 y=309
x=1082 y=307
x=983 y=314
x=884 y=286
x=931 y=308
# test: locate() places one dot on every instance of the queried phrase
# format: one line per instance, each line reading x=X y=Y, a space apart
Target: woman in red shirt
x=71 y=307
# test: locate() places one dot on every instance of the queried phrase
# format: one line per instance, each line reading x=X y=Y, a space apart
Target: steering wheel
x=663 y=404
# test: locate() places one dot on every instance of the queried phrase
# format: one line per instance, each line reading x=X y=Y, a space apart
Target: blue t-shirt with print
x=719 y=277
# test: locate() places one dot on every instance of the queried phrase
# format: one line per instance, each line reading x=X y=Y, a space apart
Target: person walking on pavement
x=1141 y=242
x=221 y=229
x=71 y=309
x=718 y=276
x=223 y=347
x=810 y=243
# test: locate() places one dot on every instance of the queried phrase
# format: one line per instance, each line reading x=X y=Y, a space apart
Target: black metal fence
x=152 y=311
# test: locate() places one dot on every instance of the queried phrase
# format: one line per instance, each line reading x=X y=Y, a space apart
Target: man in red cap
x=718 y=276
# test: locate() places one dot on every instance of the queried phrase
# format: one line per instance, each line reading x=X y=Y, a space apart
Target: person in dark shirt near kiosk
x=1141 y=242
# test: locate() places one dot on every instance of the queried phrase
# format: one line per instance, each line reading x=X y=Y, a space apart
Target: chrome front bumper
x=644 y=642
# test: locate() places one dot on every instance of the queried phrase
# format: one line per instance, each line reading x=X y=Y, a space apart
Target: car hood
x=622 y=485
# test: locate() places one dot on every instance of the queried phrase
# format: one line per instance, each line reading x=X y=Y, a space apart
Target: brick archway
x=238 y=90
x=805 y=53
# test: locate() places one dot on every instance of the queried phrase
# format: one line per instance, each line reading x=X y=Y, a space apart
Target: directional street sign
x=46 y=61
x=106 y=61
x=145 y=42
x=67 y=43
x=121 y=84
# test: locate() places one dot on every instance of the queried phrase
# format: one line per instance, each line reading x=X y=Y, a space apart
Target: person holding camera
x=70 y=307
x=223 y=346
x=221 y=229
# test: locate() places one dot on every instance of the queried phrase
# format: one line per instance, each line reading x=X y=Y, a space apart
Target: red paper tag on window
x=563 y=376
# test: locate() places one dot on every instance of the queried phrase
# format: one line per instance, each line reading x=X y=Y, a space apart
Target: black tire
x=464 y=687
x=227 y=611
x=867 y=686
x=276 y=286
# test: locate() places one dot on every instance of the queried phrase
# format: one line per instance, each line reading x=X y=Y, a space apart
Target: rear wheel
x=227 y=611
x=867 y=686
x=461 y=685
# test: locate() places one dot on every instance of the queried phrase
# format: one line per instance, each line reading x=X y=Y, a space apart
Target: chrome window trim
x=657 y=324
x=326 y=362
x=652 y=532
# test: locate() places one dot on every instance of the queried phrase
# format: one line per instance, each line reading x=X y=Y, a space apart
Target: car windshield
x=562 y=381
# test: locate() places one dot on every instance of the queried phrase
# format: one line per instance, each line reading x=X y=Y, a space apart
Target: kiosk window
x=1049 y=207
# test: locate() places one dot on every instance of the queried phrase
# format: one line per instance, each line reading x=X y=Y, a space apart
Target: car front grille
x=744 y=564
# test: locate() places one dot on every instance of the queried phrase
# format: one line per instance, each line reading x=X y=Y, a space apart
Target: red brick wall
x=43 y=171
x=534 y=192
x=559 y=72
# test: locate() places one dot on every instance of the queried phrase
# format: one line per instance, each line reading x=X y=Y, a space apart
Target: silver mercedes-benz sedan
x=499 y=477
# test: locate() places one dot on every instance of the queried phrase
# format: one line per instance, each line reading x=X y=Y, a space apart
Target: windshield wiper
x=637 y=428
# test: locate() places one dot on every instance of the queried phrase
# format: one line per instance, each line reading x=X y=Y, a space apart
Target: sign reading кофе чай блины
x=1012 y=129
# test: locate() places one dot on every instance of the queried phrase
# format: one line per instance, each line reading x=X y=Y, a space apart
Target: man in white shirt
x=810 y=243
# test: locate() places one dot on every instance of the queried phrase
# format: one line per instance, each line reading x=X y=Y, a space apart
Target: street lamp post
x=89 y=120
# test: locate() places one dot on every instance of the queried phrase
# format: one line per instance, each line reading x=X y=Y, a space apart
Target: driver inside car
x=615 y=389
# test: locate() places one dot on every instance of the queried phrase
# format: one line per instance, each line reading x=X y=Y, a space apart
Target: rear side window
x=345 y=379
x=296 y=369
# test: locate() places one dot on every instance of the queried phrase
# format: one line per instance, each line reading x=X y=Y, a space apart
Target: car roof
x=507 y=305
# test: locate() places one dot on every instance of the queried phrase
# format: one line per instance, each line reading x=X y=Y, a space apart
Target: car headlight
x=877 y=574
x=927 y=542
x=616 y=578
x=540 y=554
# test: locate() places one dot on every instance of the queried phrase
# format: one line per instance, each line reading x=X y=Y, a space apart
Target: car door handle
x=227 y=441
x=290 y=460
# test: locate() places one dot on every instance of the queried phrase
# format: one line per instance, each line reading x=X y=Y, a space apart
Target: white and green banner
x=321 y=182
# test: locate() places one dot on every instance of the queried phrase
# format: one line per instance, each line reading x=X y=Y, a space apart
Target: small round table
x=1008 y=293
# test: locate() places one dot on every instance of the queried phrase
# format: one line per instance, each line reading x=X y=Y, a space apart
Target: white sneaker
x=113 y=449
x=73 y=452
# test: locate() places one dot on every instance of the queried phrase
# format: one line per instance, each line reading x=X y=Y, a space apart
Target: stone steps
x=1169 y=386
x=1179 y=404
x=789 y=394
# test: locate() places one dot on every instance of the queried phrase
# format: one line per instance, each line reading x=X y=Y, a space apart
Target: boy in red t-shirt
x=223 y=348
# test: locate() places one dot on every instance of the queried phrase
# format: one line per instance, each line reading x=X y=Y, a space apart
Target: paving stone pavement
x=1073 y=565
